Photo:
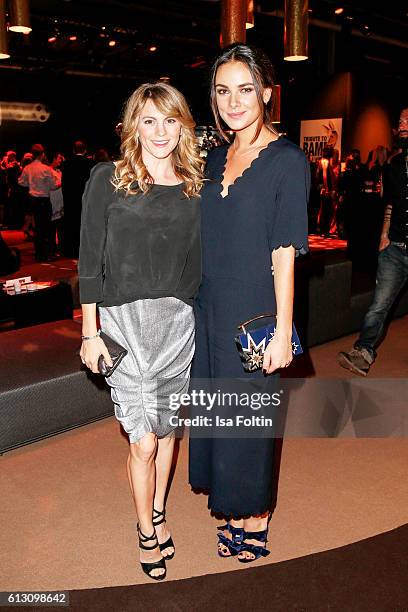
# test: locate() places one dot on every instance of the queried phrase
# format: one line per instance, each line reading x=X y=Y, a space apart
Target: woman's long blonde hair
x=187 y=163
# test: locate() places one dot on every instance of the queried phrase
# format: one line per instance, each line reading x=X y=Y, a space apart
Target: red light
x=339 y=11
x=72 y=38
x=112 y=43
x=52 y=39
x=153 y=49
x=198 y=64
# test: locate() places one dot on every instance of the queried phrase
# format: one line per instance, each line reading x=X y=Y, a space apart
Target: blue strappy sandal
x=257 y=551
x=234 y=544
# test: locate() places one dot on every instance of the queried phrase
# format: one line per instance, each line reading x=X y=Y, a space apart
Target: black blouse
x=137 y=246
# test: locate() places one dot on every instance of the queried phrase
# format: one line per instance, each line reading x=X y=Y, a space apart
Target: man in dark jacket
x=75 y=173
x=392 y=270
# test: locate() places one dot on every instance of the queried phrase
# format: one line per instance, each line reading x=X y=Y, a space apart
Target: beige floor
x=68 y=521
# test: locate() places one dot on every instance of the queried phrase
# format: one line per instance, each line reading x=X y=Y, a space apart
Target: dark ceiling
x=185 y=34
x=84 y=82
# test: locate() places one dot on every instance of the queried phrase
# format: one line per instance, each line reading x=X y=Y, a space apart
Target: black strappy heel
x=158 y=519
x=149 y=567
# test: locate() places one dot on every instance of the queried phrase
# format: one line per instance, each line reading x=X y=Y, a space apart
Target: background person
x=40 y=181
x=75 y=173
x=57 y=203
x=392 y=269
x=327 y=182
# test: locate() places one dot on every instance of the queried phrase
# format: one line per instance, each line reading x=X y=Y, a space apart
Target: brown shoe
x=357 y=361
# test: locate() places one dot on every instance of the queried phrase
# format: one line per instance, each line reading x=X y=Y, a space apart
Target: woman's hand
x=90 y=352
x=278 y=353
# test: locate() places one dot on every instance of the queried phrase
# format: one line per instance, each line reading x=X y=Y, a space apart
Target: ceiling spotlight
x=52 y=39
x=4 y=52
x=295 y=31
x=20 y=16
x=112 y=43
x=250 y=22
x=152 y=48
x=73 y=38
x=339 y=10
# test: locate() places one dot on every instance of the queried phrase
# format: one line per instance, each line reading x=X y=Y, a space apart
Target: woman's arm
x=89 y=325
x=278 y=353
x=95 y=201
x=93 y=348
x=287 y=237
x=91 y=258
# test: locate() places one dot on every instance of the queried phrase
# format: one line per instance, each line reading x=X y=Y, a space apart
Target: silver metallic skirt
x=159 y=336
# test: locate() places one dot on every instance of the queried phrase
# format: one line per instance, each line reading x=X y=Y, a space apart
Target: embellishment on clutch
x=255 y=353
x=251 y=345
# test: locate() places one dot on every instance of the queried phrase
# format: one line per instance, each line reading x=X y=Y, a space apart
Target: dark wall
x=81 y=107
x=368 y=105
x=89 y=108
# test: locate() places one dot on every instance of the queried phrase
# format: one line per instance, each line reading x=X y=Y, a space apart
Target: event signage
x=315 y=134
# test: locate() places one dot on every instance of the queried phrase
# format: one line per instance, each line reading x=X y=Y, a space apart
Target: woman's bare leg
x=142 y=479
x=164 y=460
x=254 y=523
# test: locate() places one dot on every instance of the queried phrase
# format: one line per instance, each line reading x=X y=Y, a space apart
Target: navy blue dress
x=264 y=209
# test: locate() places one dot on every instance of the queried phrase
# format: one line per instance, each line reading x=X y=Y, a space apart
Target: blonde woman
x=140 y=264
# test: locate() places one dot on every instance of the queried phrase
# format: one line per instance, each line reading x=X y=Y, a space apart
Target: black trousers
x=326 y=213
x=42 y=211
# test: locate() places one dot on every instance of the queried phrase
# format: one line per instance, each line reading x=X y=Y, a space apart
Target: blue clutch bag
x=251 y=345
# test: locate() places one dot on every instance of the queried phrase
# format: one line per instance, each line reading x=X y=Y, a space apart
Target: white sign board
x=315 y=134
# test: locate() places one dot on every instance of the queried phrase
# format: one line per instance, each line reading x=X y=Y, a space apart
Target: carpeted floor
x=67 y=499
x=366 y=576
x=62 y=268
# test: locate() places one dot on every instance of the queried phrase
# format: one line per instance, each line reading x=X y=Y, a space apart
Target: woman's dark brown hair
x=261 y=69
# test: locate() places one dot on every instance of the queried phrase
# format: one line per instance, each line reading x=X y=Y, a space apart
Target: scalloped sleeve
x=288 y=224
x=93 y=234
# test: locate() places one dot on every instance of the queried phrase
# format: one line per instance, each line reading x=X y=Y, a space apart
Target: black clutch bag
x=116 y=352
x=251 y=345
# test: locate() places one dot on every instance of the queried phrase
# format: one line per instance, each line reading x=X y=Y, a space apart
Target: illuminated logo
x=23 y=111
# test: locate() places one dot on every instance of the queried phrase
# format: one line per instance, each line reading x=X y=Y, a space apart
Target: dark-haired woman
x=140 y=263
x=254 y=218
